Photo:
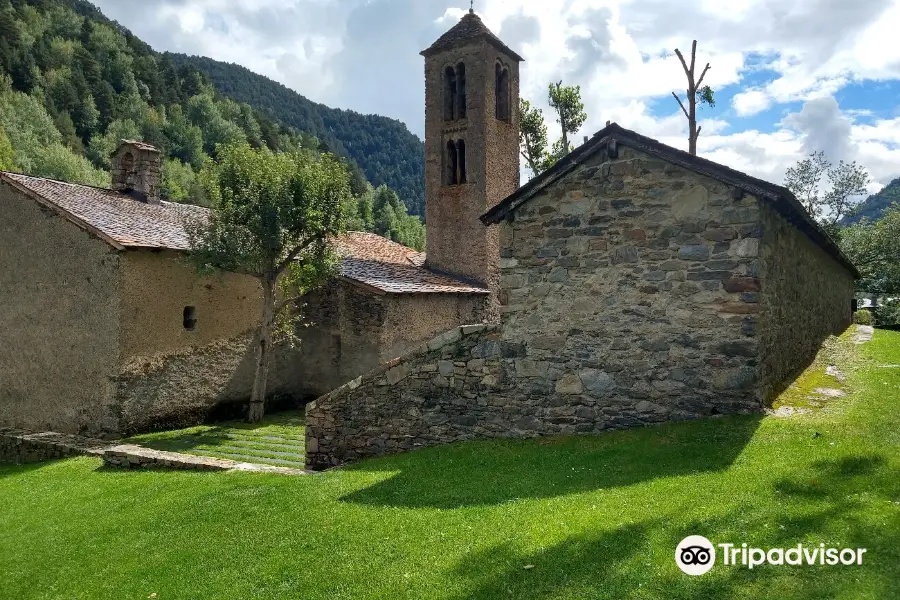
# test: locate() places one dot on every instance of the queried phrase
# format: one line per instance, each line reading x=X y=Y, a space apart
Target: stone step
x=260 y=452
x=268 y=441
x=299 y=439
x=260 y=460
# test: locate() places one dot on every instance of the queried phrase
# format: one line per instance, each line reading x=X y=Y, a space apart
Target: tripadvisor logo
x=696 y=555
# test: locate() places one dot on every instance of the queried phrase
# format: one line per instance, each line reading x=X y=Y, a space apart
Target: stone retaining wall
x=23 y=447
x=435 y=395
x=129 y=456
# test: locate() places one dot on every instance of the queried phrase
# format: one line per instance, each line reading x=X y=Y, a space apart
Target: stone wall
x=352 y=330
x=156 y=288
x=171 y=375
x=413 y=319
x=632 y=292
x=434 y=395
x=629 y=290
x=24 y=447
x=806 y=296
x=59 y=314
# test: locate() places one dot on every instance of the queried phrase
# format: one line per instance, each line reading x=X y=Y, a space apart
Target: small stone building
x=105 y=329
x=638 y=284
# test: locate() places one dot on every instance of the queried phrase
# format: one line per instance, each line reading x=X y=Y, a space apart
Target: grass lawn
x=279 y=440
x=586 y=517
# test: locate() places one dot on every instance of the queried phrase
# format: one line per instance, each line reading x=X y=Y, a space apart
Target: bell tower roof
x=469 y=29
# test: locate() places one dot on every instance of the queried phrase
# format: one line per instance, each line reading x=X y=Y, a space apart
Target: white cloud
x=751 y=102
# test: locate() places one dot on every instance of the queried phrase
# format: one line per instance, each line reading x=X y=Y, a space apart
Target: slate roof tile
x=469 y=28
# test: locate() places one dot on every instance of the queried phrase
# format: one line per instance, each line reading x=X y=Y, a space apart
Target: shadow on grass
x=493 y=472
x=580 y=563
x=637 y=559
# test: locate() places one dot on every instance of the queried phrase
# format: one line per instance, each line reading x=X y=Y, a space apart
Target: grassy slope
x=596 y=517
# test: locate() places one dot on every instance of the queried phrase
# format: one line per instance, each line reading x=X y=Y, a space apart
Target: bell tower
x=471 y=147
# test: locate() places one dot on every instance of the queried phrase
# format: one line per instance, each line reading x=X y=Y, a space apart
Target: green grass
x=278 y=440
x=595 y=517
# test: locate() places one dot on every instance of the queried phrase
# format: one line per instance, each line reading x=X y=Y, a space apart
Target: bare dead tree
x=695 y=89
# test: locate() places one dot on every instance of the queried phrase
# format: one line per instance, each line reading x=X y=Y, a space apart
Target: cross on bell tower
x=471 y=146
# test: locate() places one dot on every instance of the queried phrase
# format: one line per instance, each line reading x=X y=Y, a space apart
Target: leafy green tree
x=102 y=146
x=7 y=155
x=67 y=128
x=366 y=208
x=27 y=124
x=874 y=247
x=566 y=101
x=846 y=183
x=391 y=220
x=274 y=217
x=532 y=136
x=203 y=111
x=696 y=92
x=178 y=181
x=185 y=139
x=64 y=22
x=58 y=162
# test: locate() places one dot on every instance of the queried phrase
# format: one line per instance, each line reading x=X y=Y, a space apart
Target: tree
x=696 y=91
x=102 y=146
x=177 y=181
x=566 y=101
x=532 y=136
x=875 y=250
x=274 y=217
x=847 y=182
x=7 y=156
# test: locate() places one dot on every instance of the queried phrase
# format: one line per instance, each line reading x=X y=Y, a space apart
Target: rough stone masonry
x=633 y=290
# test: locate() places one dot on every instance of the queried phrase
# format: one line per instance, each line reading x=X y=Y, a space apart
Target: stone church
x=631 y=283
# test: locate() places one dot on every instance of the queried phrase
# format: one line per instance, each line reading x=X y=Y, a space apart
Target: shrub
x=863 y=317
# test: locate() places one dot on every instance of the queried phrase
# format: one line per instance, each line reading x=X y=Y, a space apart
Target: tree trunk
x=692 y=120
x=264 y=343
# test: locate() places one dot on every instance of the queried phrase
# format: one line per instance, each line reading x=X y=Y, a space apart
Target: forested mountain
x=73 y=83
x=875 y=205
x=384 y=148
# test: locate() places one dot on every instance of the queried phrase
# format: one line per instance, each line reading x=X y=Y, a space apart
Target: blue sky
x=791 y=77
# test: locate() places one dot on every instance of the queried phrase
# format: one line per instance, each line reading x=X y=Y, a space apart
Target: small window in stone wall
x=502 y=109
x=190 y=318
x=450 y=164
x=450 y=94
x=461 y=160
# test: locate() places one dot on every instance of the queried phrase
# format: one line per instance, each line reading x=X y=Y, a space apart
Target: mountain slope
x=384 y=148
x=875 y=205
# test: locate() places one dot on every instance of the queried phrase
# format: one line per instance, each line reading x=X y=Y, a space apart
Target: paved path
x=863 y=334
